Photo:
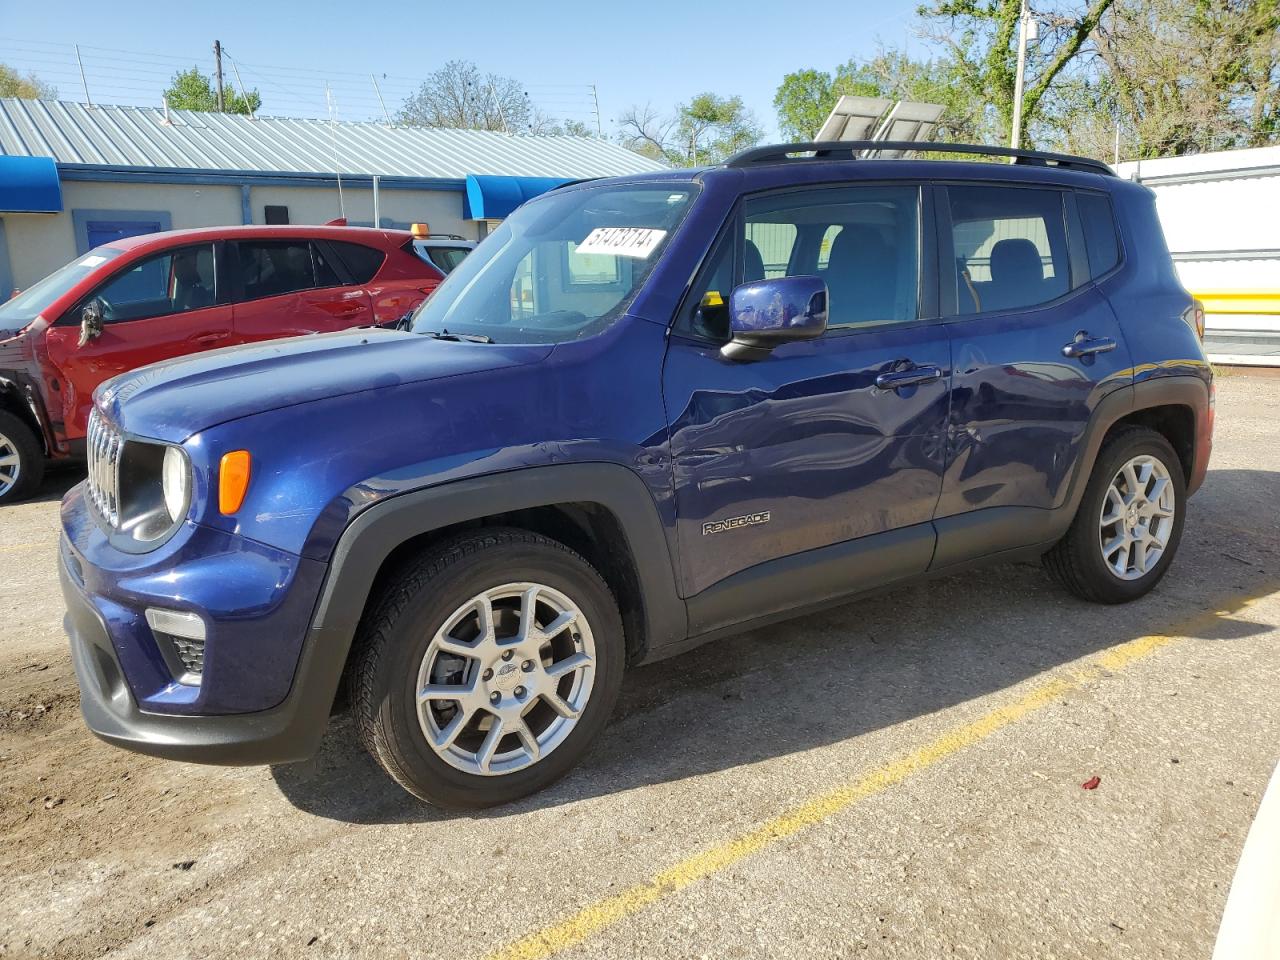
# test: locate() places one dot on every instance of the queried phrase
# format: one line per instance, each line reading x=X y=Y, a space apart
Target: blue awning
x=492 y=198
x=29 y=185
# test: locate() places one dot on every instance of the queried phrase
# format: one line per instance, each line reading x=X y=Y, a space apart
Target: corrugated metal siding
x=139 y=137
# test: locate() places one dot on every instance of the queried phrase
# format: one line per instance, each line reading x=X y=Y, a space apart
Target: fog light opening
x=180 y=636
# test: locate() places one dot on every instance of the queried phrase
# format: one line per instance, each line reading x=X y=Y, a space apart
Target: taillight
x=1194 y=315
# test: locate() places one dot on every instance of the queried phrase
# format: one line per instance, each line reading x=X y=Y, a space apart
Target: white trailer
x=1221 y=215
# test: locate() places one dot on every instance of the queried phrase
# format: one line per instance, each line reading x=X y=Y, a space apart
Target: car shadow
x=58 y=479
x=831 y=677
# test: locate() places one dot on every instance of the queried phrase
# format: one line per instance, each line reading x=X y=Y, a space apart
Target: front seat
x=860 y=276
x=753 y=263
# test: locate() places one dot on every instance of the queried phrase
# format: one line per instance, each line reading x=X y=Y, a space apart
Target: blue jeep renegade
x=643 y=413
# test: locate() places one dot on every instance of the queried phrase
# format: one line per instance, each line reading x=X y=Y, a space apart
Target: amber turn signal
x=233 y=480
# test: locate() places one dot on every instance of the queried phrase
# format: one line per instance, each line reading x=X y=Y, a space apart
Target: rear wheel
x=1129 y=522
x=487 y=669
x=21 y=459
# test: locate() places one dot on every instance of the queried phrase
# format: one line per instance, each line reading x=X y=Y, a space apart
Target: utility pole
x=1015 y=134
x=596 y=97
x=217 y=72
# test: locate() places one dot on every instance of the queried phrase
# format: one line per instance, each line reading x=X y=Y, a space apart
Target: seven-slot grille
x=103 y=444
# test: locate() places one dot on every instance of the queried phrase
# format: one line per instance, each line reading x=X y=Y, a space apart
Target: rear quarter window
x=1099 y=226
x=363 y=263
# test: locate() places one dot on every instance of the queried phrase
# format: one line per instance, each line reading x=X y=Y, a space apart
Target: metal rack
x=827 y=150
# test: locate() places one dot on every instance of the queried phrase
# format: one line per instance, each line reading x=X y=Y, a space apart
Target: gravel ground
x=980 y=843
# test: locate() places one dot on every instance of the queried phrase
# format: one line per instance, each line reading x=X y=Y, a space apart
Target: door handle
x=205 y=339
x=913 y=377
x=1085 y=346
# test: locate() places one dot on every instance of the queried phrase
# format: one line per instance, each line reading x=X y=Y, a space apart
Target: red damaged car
x=141 y=299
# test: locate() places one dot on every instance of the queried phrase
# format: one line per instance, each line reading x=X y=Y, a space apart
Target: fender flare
x=371 y=537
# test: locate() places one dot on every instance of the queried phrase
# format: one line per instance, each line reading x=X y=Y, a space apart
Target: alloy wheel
x=1137 y=518
x=505 y=679
x=10 y=465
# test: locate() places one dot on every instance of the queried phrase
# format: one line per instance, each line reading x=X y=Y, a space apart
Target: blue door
x=104 y=231
x=1035 y=348
x=802 y=450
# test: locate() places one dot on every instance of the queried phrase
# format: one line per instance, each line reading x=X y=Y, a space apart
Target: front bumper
x=254 y=704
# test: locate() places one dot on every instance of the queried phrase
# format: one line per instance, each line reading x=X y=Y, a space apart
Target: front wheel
x=21 y=459
x=1129 y=522
x=487 y=668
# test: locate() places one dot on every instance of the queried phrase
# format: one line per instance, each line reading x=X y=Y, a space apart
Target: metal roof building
x=121 y=170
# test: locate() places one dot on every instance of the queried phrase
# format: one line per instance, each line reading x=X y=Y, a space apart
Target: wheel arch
x=603 y=511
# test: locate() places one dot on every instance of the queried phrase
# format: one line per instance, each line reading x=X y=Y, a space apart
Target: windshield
x=30 y=303
x=562 y=267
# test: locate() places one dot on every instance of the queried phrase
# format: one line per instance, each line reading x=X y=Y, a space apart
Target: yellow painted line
x=590 y=920
x=21 y=546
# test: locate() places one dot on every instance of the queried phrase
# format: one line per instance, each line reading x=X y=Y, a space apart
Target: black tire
x=15 y=434
x=398 y=629
x=1076 y=560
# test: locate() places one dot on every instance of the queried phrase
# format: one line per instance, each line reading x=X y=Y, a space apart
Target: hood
x=174 y=399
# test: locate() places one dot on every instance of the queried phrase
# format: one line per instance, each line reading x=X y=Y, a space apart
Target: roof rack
x=853 y=150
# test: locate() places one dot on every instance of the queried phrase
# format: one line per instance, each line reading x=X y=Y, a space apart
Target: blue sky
x=659 y=51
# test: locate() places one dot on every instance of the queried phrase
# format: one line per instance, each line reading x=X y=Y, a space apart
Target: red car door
x=160 y=306
x=288 y=288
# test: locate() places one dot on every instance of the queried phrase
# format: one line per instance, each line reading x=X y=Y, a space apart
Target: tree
x=458 y=96
x=30 y=87
x=1181 y=76
x=981 y=37
x=192 y=90
x=806 y=98
x=707 y=129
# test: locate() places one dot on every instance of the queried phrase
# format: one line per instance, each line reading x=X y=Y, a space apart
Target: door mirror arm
x=90 y=321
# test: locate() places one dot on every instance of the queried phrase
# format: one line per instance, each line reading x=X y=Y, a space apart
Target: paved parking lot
x=895 y=778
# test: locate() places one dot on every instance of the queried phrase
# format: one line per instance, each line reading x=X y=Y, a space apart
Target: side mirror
x=90 y=321
x=766 y=313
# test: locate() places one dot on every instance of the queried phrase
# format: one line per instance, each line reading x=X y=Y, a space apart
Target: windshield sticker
x=92 y=261
x=621 y=241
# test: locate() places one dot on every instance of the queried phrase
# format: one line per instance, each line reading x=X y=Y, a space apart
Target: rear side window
x=270 y=268
x=1010 y=247
x=446 y=258
x=1099 y=228
x=328 y=273
x=363 y=263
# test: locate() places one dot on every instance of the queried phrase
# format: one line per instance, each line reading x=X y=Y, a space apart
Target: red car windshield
x=30 y=303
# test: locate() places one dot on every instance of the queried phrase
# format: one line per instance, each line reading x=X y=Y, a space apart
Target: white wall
x=442 y=209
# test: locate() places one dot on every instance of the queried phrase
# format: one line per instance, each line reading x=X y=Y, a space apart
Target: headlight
x=175 y=482
x=153 y=492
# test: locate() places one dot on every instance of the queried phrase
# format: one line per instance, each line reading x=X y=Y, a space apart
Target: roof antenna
x=235 y=66
x=87 y=99
x=333 y=129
